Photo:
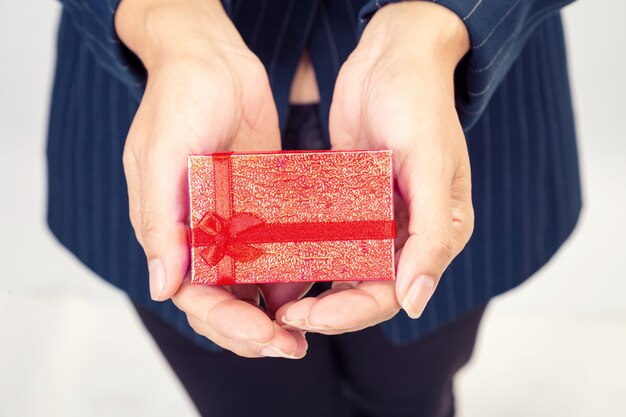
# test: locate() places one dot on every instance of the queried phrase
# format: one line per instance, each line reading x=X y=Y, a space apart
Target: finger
x=344 y=285
x=276 y=295
x=299 y=308
x=133 y=185
x=338 y=311
x=250 y=349
x=462 y=208
x=246 y=292
x=302 y=307
x=401 y=216
x=163 y=214
x=234 y=324
x=424 y=182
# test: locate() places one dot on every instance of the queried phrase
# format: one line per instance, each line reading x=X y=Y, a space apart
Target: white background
x=70 y=345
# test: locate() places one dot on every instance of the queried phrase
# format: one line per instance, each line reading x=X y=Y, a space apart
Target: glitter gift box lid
x=291 y=216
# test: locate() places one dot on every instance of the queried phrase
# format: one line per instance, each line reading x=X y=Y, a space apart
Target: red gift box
x=291 y=217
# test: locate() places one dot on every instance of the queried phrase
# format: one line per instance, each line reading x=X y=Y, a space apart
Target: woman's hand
x=396 y=92
x=206 y=92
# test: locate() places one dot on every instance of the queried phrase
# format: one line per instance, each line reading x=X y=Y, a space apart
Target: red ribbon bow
x=223 y=237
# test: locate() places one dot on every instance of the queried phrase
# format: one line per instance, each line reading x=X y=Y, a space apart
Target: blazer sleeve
x=498 y=30
x=94 y=20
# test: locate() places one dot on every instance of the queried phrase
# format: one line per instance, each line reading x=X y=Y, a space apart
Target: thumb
x=163 y=213
x=424 y=183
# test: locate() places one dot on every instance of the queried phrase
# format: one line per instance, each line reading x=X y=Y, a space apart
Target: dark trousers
x=356 y=374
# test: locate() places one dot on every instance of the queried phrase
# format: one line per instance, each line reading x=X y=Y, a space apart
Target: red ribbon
x=227 y=236
x=221 y=237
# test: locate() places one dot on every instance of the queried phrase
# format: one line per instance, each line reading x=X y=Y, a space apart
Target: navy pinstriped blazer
x=512 y=96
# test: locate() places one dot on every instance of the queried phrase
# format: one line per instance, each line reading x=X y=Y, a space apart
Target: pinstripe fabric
x=513 y=100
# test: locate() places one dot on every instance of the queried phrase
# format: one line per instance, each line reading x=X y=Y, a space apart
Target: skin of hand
x=206 y=92
x=396 y=92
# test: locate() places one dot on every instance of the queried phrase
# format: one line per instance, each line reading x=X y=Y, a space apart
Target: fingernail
x=157 y=279
x=309 y=326
x=291 y=325
x=274 y=352
x=417 y=297
x=292 y=322
x=402 y=281
x=342 y=286
x=303 y=325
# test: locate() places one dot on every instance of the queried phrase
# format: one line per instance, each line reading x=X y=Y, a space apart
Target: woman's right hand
x=206 y=92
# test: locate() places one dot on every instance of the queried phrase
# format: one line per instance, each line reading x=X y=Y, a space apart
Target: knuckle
x=138 y=237
x=470 y=224
x=135 y=219
x=132 y=215
x=466 y=221
x=134 y=223
x=150 y=229
x=255 y=332
x=194 y=324
x=199 y=327
x=344 y=72
x=263 y=334
x=442 y=249
x=258 y=70
x=128 y=155
x=206 y=317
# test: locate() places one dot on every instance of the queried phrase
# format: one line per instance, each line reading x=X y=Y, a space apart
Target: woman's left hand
x=396 y=92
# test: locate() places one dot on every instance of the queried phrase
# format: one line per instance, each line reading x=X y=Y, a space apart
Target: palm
x=256 y=130
x=358 y=123
x=351 y=306
x=378 y=104
x=199 y=107
x=243 y=119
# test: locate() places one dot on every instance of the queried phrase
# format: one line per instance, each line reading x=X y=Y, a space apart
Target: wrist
x=167 y=30
x=419 y=30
